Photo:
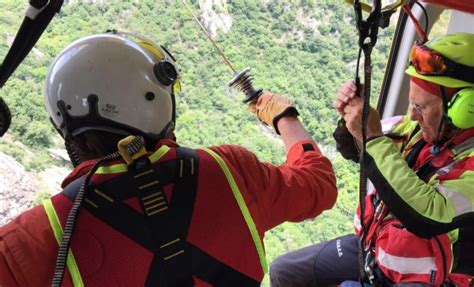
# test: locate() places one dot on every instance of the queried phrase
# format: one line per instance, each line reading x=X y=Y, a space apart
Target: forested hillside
x=303 y=49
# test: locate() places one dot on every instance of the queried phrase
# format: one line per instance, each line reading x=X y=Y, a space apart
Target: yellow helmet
x=457 y=48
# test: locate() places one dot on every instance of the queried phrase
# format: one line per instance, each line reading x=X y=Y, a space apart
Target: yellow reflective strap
x=159 y=153
x=121 y=167
x=116 y=168
x=243 y=208
x=58 y=233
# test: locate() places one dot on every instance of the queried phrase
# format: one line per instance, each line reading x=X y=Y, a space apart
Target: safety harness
x=368 y=32
x=163 y=227
x=462 y=249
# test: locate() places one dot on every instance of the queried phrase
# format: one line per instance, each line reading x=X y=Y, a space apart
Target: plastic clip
x=131 y=148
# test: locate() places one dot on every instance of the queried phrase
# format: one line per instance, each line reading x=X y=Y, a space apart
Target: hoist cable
x=210 y=38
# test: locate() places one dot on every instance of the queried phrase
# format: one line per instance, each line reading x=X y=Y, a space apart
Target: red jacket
x=421 y=205
x=299 y=189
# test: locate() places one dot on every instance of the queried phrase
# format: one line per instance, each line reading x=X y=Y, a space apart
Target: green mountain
x=304 y=49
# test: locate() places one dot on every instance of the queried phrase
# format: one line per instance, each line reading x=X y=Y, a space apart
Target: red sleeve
x=7 y=278
x=300 y=189
x=28 y=251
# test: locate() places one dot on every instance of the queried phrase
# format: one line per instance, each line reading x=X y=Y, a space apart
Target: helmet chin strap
x=436 y=148
x=75 y=159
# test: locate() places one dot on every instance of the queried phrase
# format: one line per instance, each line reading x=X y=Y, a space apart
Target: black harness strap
x=70 y=191
x=119 y=216
x=217 y=273
x=171 y=265
x=164 y=228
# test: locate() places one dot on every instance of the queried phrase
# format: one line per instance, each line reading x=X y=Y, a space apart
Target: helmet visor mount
x=431 y=63
x=164 y=71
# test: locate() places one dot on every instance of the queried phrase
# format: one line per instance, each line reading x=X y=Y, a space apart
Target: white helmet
x=112 y=83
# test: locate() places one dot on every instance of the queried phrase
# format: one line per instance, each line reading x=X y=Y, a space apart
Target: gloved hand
x=345 y=142
x=270 y=108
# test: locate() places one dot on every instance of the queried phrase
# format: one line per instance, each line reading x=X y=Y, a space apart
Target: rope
x=368 y=32
x=61 y=258
x=210 y=38
x=363 y=172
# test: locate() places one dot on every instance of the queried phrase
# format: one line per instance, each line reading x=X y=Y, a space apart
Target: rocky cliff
x=21 y=189
x=215 y=16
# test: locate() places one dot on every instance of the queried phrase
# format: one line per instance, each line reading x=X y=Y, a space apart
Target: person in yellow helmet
x=419 y=218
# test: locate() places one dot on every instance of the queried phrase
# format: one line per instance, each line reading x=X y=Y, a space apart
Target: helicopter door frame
x=393 y=98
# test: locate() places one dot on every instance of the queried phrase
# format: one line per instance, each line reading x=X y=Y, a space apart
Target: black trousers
x=323 y=264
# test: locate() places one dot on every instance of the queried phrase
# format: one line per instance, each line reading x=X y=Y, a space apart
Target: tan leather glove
x=269 y=108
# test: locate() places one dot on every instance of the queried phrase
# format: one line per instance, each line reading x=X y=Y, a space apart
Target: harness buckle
x=131 y=148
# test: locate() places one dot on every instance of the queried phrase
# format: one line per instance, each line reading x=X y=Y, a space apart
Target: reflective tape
x=357 y=222
x=406 y=265
x=121 y=167
x=461 y=203
x=243 y=208
x=58 y=234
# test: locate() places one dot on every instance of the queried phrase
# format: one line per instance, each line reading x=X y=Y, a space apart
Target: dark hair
x=95 y=144
x=91 y=144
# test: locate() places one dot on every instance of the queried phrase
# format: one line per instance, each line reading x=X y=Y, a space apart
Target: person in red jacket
x=138 y=209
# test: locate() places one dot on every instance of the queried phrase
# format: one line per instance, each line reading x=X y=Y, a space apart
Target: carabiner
x=369 y=267
x=368 y=29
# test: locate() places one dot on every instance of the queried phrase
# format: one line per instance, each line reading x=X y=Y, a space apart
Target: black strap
x=105 y=203
x=368 y=31
x=463 y=251
x=171 y=265
x=71 y=190
x=217 y=273
x=413 y=155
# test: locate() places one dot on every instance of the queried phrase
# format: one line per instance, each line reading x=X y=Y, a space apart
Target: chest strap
x=163 y=228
